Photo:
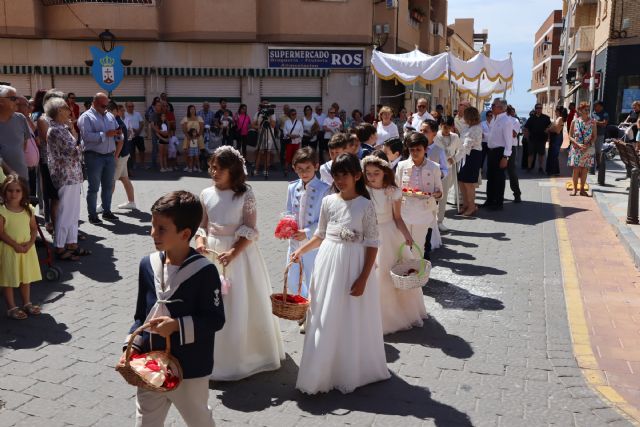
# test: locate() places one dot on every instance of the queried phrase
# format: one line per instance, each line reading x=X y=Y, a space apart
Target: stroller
x=211 y=142
x=621 y=133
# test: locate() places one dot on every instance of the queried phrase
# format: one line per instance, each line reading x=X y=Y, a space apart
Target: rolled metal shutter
x=184 y=91
x=85 y=87
x=22 y=83
x=295 y=92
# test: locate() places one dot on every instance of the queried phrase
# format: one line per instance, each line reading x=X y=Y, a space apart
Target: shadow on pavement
x=450 y=296
x=36 y=330
x=391 y=397
x=100 y=265
x=528 y=213
x=502 y=237
x=465 y=268
x=127 y=229
x=433 y=335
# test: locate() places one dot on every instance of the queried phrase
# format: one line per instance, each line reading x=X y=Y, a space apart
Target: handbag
x=31 y=153
x=252 y=138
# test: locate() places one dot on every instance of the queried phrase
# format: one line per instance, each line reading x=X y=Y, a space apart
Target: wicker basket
x=286 y=309
x=398 y=271
x=132 y=377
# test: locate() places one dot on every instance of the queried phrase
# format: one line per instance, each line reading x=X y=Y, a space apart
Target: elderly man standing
x=499 y=144
x=14 y=133
x=416 y=119
x=207 y=114
x=99 y=130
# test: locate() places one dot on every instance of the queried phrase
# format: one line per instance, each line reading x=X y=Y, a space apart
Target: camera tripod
x=262 y=148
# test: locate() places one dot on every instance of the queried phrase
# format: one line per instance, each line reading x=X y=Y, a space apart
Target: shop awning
x=169 y=71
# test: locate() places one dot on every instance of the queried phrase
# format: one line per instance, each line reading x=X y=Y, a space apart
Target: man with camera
x=264 y=121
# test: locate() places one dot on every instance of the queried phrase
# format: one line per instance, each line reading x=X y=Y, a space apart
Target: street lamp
x=108 y=42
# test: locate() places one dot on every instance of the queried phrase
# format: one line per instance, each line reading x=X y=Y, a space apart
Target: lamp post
x=108 y=42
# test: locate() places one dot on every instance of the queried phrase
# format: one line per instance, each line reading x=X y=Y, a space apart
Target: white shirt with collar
x=486 y=126
x=425 y=177
x=501 y=133
x=417 y=119
x=516 y=128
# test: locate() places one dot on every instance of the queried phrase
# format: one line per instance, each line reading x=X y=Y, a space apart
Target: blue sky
x=512 y=25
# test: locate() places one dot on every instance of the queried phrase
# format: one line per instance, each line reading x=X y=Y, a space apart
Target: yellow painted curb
x=577 y=323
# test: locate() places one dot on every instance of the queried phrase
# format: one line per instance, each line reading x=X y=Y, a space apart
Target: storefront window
x=628 y=91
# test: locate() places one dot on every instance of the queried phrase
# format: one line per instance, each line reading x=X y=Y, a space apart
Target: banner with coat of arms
x=107 y=68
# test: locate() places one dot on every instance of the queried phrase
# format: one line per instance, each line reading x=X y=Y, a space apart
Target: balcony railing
x=583 y=41
x=62 y=2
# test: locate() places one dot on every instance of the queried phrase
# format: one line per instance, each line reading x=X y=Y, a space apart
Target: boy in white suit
x=418 y=173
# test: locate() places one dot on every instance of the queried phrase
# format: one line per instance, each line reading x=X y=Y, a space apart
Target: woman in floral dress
x=582 y=136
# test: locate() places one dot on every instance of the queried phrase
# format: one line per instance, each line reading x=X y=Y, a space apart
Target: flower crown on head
x=236 y=153
x=374 y=160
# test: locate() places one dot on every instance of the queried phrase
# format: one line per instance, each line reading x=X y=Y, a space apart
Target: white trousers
x=68 y=215
x=447 y=182
x=190 y=400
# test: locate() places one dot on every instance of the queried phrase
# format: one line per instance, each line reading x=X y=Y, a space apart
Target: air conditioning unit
x=392 y=4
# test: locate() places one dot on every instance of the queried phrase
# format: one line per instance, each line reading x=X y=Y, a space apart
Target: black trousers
x=495 y=177
x=427 y=245
x=514 y=182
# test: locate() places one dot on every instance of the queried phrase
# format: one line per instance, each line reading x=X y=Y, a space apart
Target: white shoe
x=99 y=209
x=442 y=228
x=186 y=169
x=197 y=170
x=128 y=205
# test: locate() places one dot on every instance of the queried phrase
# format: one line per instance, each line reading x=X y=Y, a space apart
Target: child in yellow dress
x=19 y=265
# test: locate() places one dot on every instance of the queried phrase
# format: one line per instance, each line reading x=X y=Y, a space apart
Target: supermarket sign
x=297 y=57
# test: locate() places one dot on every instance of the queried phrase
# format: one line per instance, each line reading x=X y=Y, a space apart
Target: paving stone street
x=496 y=350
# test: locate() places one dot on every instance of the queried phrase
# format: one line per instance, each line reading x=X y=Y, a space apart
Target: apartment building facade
x=465 y=43
x=547 y=63
x=296 y=52
x=404 y=25
x=610 y=29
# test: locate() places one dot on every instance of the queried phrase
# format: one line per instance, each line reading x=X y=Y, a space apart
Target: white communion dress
x=343 y=345
x=250 y=340
x=401 y=308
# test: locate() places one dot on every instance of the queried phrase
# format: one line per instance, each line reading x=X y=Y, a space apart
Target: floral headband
x=234 y=152
x=375 y=161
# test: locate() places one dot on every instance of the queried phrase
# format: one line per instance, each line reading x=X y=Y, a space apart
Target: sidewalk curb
x=628 y=238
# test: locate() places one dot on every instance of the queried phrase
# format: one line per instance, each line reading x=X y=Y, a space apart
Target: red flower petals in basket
x=286 y=228
x=293 y=299
x=287 y=306
x=155 y=370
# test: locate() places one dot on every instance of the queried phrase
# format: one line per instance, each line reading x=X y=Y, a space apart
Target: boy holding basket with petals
x=179 y=295
x=304 y=198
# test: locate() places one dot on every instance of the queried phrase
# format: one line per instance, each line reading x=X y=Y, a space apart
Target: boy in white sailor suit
x=418 y=172
x=304 y=199
x=179 y=295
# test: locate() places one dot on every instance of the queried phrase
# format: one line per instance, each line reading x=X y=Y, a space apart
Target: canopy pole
x=450 y=84
x=478 y=94
x=375 y=89
x=506 y=85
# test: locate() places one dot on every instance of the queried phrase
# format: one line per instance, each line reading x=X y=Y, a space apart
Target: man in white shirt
x=135 y=123
x=322 y=143
x=416 y=119
x=486 y=124
x=331 y=124
x=499 y=144
x=514 y=183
